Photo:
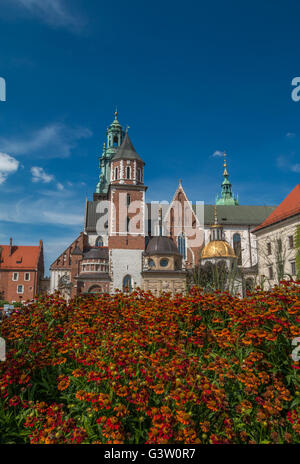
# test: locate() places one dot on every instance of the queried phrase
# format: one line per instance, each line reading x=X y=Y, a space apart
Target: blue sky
x=191 y=79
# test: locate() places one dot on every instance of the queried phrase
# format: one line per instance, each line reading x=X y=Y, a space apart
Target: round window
x=151 y=263
x=164 y=262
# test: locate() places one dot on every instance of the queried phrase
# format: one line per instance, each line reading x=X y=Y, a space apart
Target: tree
x=274 y=253
x=216 y=276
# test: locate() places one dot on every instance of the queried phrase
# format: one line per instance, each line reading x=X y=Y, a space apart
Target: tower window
x=99 y=242
x=293 y=268
x=127 y=224
x=128 y=199
x=139 y=175
x=116 y=173
x=116 y=141
x=237 y=246
x=128 y=172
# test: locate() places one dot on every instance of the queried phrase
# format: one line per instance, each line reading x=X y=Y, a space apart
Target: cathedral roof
x=126 y=151
x=290 y=206
x=161 y=245
x=237 y=214
x=252 y=215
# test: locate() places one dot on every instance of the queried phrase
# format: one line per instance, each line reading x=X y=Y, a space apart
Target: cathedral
x=127 y=243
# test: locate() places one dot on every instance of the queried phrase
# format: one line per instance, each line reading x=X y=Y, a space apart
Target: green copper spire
x=115 y=134
x=227 y=197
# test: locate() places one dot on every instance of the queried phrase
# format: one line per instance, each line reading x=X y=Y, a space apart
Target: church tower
x=115 y=135
x=227 y=197
x=126 y=231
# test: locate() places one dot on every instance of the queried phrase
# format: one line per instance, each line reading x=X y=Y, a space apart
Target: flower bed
x=201 y=368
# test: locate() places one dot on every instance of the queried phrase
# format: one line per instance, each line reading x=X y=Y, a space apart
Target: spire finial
x=180 y=182
x=127 y=127
x=225 y=165
x=116 y=112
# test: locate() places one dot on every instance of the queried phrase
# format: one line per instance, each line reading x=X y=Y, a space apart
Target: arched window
x=182 y=245
x=116 y=141
x=99 y=242
x=237 y=246
x=128 y=172
x=127 y=285
x=116 y=173
x=95 y=289
x=139 y=175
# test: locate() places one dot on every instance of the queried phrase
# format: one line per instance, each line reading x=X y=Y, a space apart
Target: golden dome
x=218 y=249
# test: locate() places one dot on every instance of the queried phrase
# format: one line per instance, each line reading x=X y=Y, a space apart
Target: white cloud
x=218 y=153
x=286 y=165
x=290 y=135
x=51 y=141
x=53 y=12
x=295 y=168
x=43 y=210
x=59 y=186
x=8 y=165
x=67 y=219
x=39 y=175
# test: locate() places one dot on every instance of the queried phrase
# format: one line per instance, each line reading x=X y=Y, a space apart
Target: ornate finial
x=180 y=182
x=116 y=112
x=127 y=127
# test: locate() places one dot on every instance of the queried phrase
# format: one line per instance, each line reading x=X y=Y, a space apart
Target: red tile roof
x=289 y=207
x=22 y=257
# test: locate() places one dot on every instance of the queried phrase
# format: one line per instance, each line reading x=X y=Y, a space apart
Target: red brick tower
x=126 y=228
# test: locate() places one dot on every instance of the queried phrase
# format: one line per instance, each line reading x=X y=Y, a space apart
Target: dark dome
x=162 y=246
x=96 y=253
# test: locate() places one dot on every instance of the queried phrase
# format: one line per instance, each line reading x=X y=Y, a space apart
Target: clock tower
x=126 y=228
